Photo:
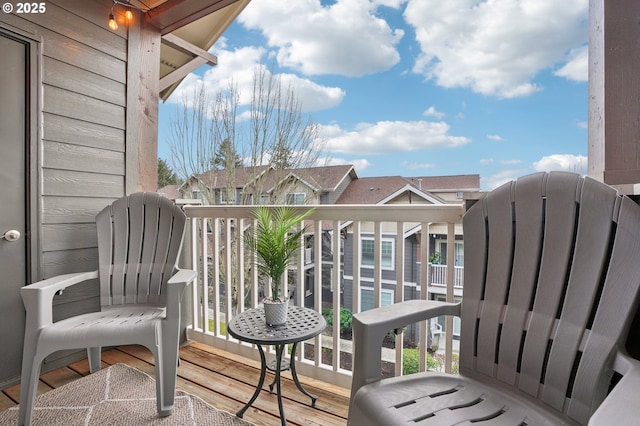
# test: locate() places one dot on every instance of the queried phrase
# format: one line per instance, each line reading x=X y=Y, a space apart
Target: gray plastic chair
x=139 y=239
x=552 y=272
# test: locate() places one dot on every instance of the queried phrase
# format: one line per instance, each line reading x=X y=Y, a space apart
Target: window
x=264 y=199
x=227 y=196
x=367 y=248
x=296 y=198
x=366 y=298
x=441 y=246
x=196 y=194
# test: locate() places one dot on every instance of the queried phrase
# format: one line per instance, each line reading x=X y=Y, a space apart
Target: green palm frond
x=274 y=242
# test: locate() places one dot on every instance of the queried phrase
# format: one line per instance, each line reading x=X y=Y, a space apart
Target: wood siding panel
x=74 y=157
x=77 y=80
x=69 y=130
x=72 y=209
x=61 y=102
x=70 y=261
x=82 y=184
x=69 y=236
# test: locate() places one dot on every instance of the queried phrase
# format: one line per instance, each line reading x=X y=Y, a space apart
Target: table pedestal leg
x=292 y=363
x=263 y=370
x=279 y=350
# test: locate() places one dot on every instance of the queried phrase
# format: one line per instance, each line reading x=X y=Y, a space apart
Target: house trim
x=410 y=188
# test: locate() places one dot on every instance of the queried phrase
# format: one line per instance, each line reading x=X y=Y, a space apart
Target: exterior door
x=14 y=143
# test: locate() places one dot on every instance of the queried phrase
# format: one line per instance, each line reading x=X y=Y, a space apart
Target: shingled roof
x=323 y=179
x=374 y=190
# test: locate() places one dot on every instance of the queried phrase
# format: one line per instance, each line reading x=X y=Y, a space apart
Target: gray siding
x=333 y=196
x=82 y=122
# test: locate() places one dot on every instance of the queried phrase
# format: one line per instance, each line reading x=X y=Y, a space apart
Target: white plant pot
x=275 y=313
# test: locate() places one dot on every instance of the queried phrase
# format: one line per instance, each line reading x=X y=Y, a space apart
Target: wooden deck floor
x=222 y=379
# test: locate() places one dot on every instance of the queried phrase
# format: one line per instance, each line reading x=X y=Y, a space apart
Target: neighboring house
x=79 y=129
x=267 y=185
x=401 y=190
x=171 y=192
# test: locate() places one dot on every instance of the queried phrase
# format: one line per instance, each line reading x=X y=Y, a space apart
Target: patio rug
x=118 y=395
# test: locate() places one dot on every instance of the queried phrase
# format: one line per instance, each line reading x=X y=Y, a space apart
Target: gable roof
x=321 y=179
x=379 y=190
x=171 y=192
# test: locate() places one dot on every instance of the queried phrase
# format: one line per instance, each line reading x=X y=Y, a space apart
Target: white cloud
x=390 y=136
x=359 y=164
x=486 y=161
x=417 y=166
x=582 y=124
x=496 y=138
x=577 y=66
x=239 y=69
x=562 y=162
x=489 y=183
x=496 y=47
x=510 y=162
x=345 y=38
x=432 y=112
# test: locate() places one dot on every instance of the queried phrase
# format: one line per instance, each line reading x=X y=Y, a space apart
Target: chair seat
x=446 y=400
x=97 y=328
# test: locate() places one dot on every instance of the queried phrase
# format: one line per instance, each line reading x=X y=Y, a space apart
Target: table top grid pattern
x=302 y=324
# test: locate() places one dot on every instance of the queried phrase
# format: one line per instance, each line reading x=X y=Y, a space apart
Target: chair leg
x=94 y=355
x=166 y=371
x=29 y=381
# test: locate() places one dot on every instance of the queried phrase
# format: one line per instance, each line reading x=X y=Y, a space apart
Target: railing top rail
x=440 y=213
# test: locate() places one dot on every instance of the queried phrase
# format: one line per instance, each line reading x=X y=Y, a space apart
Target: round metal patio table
x=250 y=326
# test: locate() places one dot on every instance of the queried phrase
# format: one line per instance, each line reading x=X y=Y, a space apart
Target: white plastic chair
x=552 y=284
x=139 y=239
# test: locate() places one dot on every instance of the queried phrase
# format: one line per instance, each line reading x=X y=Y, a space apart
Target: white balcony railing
x=215 y=248
x=438 y=276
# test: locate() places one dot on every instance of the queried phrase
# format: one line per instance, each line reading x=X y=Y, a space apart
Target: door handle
x=11 y=235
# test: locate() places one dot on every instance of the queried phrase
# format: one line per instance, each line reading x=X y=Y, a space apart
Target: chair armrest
x=38 y=297
x=621 y=406
x=175 y=287
x=370 y=327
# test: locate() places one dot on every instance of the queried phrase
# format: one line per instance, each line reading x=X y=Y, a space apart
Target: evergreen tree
x=166 y=176
x=226 y=156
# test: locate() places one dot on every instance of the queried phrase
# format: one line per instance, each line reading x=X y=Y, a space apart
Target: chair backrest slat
x=150 y=226
x=120 y=214
x=497 y=279
x=538 y=313
x=165 y=224
x=529 y=215
x=134 y=256
x=139 y=239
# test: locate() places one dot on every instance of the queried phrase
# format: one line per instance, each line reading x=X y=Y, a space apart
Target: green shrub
x=345 y=317
x=411 y=362
x=223 y=327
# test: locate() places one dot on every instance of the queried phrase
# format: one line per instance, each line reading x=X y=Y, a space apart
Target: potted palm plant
x=276 y=243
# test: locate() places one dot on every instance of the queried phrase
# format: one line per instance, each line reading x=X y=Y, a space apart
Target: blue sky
x=421 y=87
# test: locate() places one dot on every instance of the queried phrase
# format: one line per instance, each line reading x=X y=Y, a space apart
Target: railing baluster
x=215 y=267
x=335 y=281
x=400 y=274
x=205 y=275
x=425 y=271
x=377 y=264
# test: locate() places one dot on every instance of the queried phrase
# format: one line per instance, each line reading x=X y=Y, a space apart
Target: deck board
x=223 y=380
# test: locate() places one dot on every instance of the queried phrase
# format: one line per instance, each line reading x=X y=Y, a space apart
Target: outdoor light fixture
x=128 y=14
